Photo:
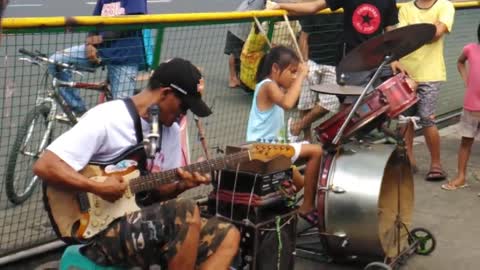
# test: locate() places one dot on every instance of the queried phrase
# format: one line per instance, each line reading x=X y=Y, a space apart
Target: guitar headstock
x=266 y=152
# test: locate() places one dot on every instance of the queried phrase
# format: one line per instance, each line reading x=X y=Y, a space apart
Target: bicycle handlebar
x=39 y=56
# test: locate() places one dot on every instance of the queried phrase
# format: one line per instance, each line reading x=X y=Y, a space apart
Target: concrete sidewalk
x=450 y=215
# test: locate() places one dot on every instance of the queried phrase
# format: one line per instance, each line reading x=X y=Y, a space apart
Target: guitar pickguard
x=102 y=213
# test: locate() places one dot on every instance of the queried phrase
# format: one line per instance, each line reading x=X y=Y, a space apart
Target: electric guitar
x=78 y=216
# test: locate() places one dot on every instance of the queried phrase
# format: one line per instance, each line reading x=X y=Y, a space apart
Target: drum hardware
x=340 y=236
x=337 y=89
x=387 y=59
x=335 y=189
x=372 y=219
x=369 y=115
x=416 y=244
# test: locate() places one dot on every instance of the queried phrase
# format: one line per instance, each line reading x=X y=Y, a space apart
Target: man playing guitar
x=170 y=232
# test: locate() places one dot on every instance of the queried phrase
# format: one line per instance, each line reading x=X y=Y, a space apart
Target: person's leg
x=185 y=258
x=233 y=80
x=426 y=111
x=312 y=153
x=310 y=104
x=218 y=246
x=306 y=120
x=122 y=80
x=74 y=55
x=432 y=139
x=298 y=179
x=303 y=44
x=165 y=233
x=233 y=48
x=469 y=128
x=463 y=156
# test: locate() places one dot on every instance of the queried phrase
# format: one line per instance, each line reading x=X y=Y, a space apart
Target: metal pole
x=364 y=92
x=32 y=252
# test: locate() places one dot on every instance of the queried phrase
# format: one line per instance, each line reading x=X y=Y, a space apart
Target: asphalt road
x=27 y=223
x=39 y=8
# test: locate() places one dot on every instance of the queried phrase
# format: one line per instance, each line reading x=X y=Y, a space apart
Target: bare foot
x=233 y=82
x=457 y=182
x=303 y=209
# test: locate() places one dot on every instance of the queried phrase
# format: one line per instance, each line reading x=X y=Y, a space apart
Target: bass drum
x=358 y=197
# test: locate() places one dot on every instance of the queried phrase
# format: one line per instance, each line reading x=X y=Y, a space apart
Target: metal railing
x=197 y=37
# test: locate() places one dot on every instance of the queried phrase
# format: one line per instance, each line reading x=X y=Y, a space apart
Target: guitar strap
x=142 y=198
x=136 y=119
x=142 y=166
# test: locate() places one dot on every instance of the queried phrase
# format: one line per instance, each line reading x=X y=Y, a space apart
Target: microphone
x=152 y=143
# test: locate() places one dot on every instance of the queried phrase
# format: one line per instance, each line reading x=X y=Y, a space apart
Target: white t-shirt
x=106 y=131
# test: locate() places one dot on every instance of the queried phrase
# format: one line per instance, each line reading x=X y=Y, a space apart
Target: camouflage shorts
x=428 y=93
x=154 y=236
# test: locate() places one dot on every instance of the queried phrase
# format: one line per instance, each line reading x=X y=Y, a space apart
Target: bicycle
x=36 y=130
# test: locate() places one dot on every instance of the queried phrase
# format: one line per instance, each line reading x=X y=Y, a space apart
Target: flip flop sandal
x=310 y=221
x=436 y=175
x=310 y=217
x=449 y=187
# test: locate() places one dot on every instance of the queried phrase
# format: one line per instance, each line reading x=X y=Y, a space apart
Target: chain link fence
x=199 y=39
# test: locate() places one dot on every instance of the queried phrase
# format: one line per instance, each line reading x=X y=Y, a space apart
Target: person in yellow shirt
x=427 y=66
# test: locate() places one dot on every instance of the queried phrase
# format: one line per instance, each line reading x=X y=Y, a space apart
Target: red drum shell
x=398 y=93
x=370 y=108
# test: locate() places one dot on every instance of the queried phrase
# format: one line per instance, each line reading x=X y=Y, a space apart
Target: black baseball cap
x=182 y=76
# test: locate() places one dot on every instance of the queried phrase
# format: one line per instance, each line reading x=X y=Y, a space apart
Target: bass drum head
x=396 y=196
x=367 y=187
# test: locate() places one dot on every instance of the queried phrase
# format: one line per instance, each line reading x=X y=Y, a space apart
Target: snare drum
x=400 y=96
x=357 y=200
x=371 y=107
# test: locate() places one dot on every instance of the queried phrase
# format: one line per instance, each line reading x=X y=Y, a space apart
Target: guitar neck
x=151 y=181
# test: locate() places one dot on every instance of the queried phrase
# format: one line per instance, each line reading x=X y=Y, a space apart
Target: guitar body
x=73 y=222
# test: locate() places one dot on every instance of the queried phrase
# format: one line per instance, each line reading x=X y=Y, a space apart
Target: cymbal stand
x=401 y=159
x=386 y=61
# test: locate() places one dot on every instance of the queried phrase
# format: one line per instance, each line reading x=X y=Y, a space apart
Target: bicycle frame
x=46 y=135
x=53 y=98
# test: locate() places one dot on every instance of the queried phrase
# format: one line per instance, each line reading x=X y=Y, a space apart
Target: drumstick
x=260 y=28
x=294 y=38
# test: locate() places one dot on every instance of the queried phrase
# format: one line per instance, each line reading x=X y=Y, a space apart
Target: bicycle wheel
x=32 y=137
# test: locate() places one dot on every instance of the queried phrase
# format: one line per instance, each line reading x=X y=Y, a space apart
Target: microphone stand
x=386 y=60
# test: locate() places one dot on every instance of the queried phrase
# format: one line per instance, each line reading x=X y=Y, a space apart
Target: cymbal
x=396 y=43
x=336 y=89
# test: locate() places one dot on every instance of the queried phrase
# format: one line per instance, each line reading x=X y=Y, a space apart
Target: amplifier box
x=256 y=183
x=268 y=245
x=242 y=212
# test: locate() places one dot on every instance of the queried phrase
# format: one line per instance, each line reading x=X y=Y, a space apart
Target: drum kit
x=365 y=194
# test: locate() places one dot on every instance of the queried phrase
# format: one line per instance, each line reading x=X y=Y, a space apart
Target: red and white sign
x=366 y=19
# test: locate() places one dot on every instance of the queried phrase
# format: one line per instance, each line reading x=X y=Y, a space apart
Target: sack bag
x=252 y=52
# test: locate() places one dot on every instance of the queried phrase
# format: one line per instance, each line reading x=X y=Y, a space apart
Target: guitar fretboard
x=151 y=181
